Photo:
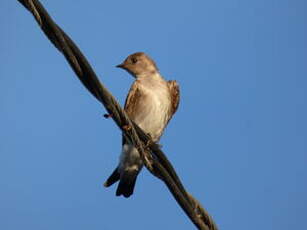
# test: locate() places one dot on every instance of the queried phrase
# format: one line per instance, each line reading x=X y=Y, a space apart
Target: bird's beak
x=121 y=66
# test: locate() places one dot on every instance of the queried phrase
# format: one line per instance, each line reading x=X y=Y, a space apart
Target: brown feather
x=175 y=97
x=131 y=103
x=132 y=107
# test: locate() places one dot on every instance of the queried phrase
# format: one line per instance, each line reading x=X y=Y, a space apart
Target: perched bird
x=151 y=103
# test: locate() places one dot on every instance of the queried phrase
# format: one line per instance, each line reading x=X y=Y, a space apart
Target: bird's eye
x=134 y=60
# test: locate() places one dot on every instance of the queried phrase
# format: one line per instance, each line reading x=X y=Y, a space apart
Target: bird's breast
x=156 y=105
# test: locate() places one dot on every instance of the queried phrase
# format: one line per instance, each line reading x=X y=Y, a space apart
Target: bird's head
x=139 y=64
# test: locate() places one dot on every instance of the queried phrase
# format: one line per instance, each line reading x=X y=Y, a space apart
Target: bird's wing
x=132 y=107
x=175 y=97
x=132 y=104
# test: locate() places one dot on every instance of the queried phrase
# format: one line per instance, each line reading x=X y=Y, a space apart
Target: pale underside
x=151 y=103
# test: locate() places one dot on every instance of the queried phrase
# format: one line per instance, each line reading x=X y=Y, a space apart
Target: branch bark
x=154 y=159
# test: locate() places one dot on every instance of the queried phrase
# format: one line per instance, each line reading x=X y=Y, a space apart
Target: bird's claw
x=126 y=127
x=107 y=115
x=148 y=143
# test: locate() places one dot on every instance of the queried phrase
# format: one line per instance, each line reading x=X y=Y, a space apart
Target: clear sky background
x=238 y=140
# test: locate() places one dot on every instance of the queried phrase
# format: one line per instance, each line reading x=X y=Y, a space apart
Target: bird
x=150 y=103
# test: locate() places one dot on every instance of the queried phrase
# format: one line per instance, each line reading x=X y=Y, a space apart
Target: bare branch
x=154 y=159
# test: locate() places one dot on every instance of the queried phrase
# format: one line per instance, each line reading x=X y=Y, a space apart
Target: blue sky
x=238 y=140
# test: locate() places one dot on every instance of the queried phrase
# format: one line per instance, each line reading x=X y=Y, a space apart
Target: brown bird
x=151 y=103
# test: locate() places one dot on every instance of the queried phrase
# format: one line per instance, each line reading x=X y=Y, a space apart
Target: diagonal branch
x=154 y=159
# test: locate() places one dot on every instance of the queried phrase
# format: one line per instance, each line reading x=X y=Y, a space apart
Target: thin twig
x=154 y=159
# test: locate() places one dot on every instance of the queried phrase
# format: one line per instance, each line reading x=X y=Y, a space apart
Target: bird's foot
x=107 y=115
x=149 y=141
x=126 y=127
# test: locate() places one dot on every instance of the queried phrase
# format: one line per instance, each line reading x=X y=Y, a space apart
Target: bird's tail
x=112 y=179
x=127 y=183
